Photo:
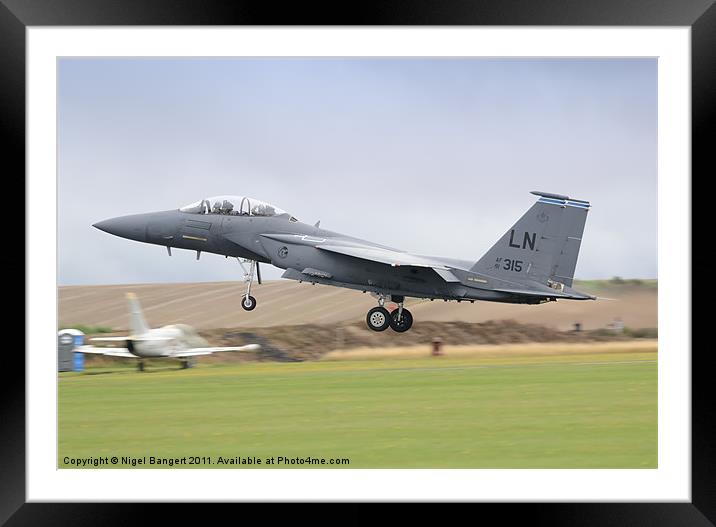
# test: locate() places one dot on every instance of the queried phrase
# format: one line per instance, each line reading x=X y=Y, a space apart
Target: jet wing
x=365 y=251
x=572 y=295
x=194 y=352
x=386 y=256
x=124 y=339
x=112 y=352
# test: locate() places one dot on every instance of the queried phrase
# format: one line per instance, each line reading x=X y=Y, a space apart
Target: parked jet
x=532 y=263
x=177 y=341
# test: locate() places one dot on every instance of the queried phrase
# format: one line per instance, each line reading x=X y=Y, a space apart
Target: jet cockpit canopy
x=234 y=206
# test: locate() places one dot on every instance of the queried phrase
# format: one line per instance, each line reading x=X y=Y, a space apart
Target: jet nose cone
x=132 y=227
x=103 y=225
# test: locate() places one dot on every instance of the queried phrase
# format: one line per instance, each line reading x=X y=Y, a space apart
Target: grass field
x=579 y=409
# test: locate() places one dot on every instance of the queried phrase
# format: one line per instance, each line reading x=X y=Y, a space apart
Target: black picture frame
x=17 y=15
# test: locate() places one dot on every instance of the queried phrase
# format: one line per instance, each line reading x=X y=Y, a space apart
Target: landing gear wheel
x=248 y=303
x=184 y=364
x=140 y=366
x=405 y=322
x=378 y=319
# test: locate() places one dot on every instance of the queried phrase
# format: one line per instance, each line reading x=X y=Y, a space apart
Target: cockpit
x=235 y=206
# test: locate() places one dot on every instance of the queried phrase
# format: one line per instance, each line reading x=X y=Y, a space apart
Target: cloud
x=434 y=156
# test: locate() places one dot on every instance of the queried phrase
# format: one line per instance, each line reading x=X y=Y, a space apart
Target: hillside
x=211 y=305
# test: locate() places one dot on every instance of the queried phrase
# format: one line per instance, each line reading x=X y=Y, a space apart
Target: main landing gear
x=248 y=302
x=401 y=320
x=379 y=318
x=187 y=363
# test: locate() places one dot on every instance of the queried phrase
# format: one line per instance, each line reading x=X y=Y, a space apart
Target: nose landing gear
x=248 y=302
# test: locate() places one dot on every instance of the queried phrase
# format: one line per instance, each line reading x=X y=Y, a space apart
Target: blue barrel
x=79 y=358
x=79 y=361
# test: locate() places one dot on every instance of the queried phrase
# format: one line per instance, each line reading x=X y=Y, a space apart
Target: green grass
x=576 y=412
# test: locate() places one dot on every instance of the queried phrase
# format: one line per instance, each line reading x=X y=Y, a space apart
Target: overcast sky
x=432 y=156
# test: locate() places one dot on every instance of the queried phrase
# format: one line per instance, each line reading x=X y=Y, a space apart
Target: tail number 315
x=512 y=265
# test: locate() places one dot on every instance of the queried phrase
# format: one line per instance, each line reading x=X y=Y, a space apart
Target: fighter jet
x=177 y=341
x=532 y=263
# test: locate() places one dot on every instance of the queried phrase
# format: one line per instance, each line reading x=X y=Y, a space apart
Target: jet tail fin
x=137 y=323
x=542 y=246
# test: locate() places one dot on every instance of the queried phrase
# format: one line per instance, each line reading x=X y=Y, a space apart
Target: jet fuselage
x=291 y=245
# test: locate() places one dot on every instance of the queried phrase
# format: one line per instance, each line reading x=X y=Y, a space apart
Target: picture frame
x=15 y=17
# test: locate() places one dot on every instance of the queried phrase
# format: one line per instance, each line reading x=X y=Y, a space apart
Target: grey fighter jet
x=532 y=263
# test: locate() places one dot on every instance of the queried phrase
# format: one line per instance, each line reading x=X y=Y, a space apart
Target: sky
x=433 y=156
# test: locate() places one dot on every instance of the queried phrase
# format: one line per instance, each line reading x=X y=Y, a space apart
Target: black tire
x=405 y=323
x=378 y=319
x=140 y=366
x=248 y=303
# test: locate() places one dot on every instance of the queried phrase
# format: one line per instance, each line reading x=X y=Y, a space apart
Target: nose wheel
x=248 y=303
